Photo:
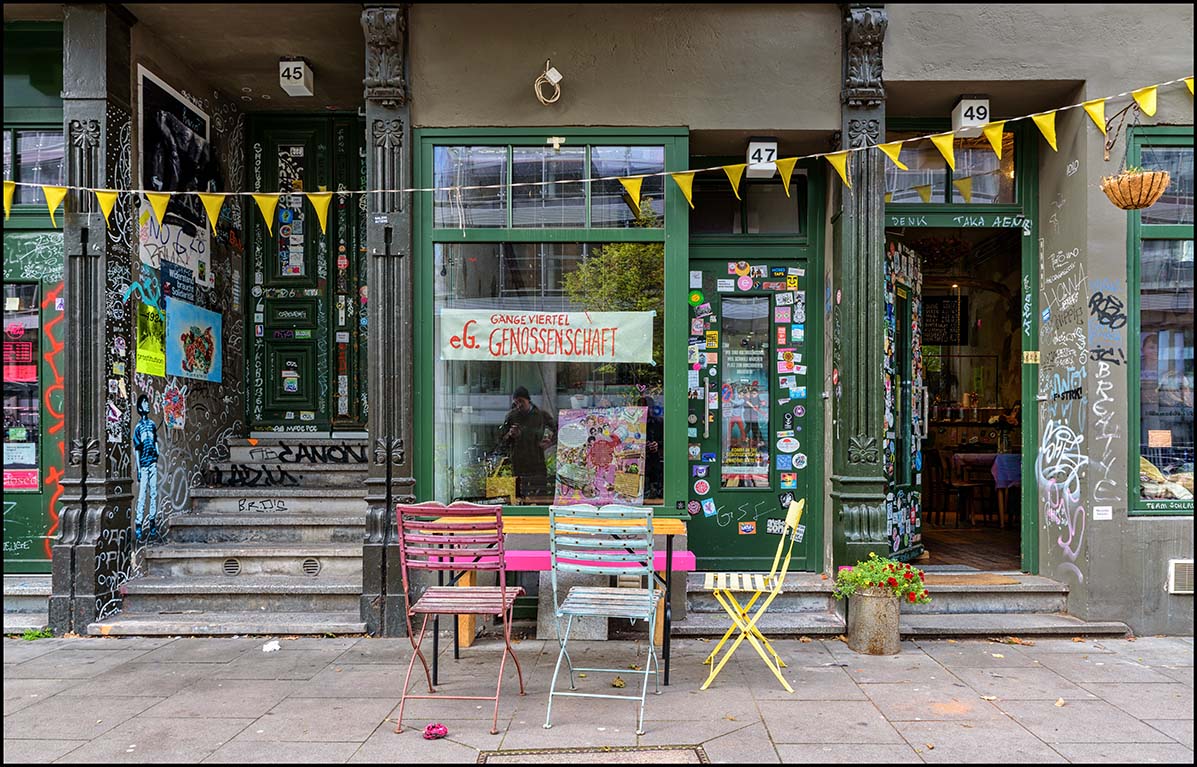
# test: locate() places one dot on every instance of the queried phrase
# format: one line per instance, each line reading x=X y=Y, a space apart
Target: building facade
x=977 y=365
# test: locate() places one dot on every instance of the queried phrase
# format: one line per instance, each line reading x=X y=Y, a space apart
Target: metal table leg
x=668 y=602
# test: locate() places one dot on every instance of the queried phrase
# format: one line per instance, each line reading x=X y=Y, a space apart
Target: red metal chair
x=458 y=537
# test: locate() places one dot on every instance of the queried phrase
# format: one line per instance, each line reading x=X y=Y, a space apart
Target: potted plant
x=1135 y=188
x=875 y=588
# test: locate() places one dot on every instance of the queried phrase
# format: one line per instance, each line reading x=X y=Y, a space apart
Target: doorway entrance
x=969 y=339
x=306 y=329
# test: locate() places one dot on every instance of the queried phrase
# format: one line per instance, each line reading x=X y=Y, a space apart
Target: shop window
x=1162 y=317
x=33 y=156
x=533 y=427
x=980 y=177
x=548 y=205
x=470 y=166
x=764 y=208
x=609 y=203
x=22 y=388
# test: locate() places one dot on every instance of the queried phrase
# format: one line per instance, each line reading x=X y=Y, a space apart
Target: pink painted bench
x=541 y=561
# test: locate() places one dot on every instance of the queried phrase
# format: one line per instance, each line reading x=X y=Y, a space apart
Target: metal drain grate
x=232 y=567
x=311 y=567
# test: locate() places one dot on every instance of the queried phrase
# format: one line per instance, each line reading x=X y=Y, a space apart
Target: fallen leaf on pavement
x=1060 y=703
x=930 y=746
x=730 y=718
x=618 y=682
x=581 y=675
x=951 y=641
x=823 y=576
x=805 y=640
x=988 y=697
x=1077 y=639
x=634 y=666
x=997 y=655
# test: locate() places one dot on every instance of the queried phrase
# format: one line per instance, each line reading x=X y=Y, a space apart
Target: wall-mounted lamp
x=550 y=77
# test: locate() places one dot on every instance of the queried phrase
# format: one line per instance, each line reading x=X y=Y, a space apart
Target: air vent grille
x=232 y=566
x=311 y=567
x=1180 y=576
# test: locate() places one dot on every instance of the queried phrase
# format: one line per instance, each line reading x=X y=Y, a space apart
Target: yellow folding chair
x=723 y=587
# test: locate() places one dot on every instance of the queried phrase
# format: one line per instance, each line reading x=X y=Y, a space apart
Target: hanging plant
x=1135 y=188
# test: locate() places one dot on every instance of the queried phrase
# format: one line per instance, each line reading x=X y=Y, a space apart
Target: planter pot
x=1132 y=191
x=873 y=623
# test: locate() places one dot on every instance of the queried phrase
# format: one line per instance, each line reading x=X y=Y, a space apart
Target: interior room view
x=972 y=361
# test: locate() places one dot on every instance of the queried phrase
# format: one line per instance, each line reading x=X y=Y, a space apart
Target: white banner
x=470 y=334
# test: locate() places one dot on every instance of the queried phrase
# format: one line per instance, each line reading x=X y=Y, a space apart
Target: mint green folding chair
x=614 y=540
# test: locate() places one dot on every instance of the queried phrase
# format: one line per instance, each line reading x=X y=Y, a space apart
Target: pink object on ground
x=435 y=730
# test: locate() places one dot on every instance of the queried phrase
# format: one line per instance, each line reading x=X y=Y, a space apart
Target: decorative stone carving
x=83 y=169
x=862 y=57
x=384 y=29
x=386 y=154
x=862 y=449
x=394 y=451
x=863 y=132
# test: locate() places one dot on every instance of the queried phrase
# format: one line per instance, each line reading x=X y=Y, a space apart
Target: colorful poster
x=193 y=345
x=601 y=455
x=177 y=282
x=174 y=406
x=151 y=341
x=546 y=336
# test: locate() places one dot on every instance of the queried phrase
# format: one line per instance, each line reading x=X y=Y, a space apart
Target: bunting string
x=1144 y=97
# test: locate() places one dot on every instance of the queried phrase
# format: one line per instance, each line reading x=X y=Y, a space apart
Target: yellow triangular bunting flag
x=632 y=185
x=1189 y=85
x=839 y=161
x=993 y=132
x=924 y=192
x=212 y=201
x=9 y=188
x=892 y=150
x=786 y=169
x=267 y=203
x=54 y=197
x=158 y=203
x=944 y=142
x=1047 y=126
x=1096 y=109
x=107 y=200
x=965 y=185
x=685 y=182
x=734 y=174
x=320 y=201
x=889 y=197
x=1145 y=98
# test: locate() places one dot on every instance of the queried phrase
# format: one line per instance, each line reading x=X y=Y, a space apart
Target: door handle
x=924 y=426
x=706 y=407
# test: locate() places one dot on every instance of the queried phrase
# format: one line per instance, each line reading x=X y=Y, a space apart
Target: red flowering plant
x=881 y=576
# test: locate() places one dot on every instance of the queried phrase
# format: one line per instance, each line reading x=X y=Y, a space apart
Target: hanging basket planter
x=1133 y=190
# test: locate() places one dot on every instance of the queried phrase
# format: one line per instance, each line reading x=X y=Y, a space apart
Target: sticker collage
x=770 y=313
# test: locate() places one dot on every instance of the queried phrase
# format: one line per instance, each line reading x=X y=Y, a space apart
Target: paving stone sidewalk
x=184 y=700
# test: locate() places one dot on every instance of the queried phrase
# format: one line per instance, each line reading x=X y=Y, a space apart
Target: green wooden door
x=308 y=301
x=753 y=400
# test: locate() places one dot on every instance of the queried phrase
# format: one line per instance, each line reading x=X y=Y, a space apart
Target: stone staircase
x=1029 y=605
x=273 y=545
x=26 y=603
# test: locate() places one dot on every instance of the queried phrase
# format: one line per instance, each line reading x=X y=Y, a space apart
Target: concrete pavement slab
x=1181 y=730
x=750 y=745
x=1022 y=684
x=1051 y=646
x=991 y=741
x=597 y=730
x=837 y=721
x=142 y=679
x=22 y=693
x=672 y=732
x=465 y=739
x=158 y=740
x=264 y=752
x=219 y=698
x=281 y=664
x=929 y=702
x=202 y=650
x=1182 y=674
x=840 y=753
x=319 y=719
x=115 y=643
x=1153 y=651
x=1101 y=668
x=371 y=680
x=958 y=654
x=1157 y=701
x=20 y=650
x=1126 y=753
x=1081 y=721
x=903 y=667
x=385 y=650
x=38 y=751
x=809 y=683
x=75 y=664
x=88 y=718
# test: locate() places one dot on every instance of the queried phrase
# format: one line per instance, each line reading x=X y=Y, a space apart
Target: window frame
x=802 y=171
x=674 y=235
x=1137 y=137
x=35 y=42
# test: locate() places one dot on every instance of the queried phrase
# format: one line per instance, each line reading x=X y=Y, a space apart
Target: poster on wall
x=601 y=455
x=176 y=156
x=151 y=341
x=193 y=348
x=470 y=334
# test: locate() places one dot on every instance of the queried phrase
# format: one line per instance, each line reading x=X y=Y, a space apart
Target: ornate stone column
x=390 y=370
x=858 y=314
x=93 y=555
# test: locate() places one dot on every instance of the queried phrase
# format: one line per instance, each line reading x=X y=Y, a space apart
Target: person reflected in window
x=524 y=435
x=654 y=471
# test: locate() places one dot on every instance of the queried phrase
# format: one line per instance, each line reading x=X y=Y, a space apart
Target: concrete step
x=314 y=560
x=262 y=593
x=279 y=499
x=1002 y=624
x=215 y=623
x=19 y=623
x=771 y=624
x=298 y=449
x=307 y=527
x=802 y=593
x=286 y=475
x=1030 y=594
x=26 y=593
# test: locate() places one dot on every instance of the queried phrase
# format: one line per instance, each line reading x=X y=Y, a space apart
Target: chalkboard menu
x=945 y=320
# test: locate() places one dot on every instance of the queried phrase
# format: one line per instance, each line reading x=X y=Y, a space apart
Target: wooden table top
x=540 y=525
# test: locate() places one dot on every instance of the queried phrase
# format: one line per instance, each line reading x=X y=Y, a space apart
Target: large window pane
x=548 y=205
x=588 y=429
x=716 y=209
x=980 y=177
x=770 y=210
x=609 y=204
x=22 y=391
x=1176 y=206
x=470 y=166
x=1166 y=369
x=926 y=178
x=39 y=160
x=744 y=398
